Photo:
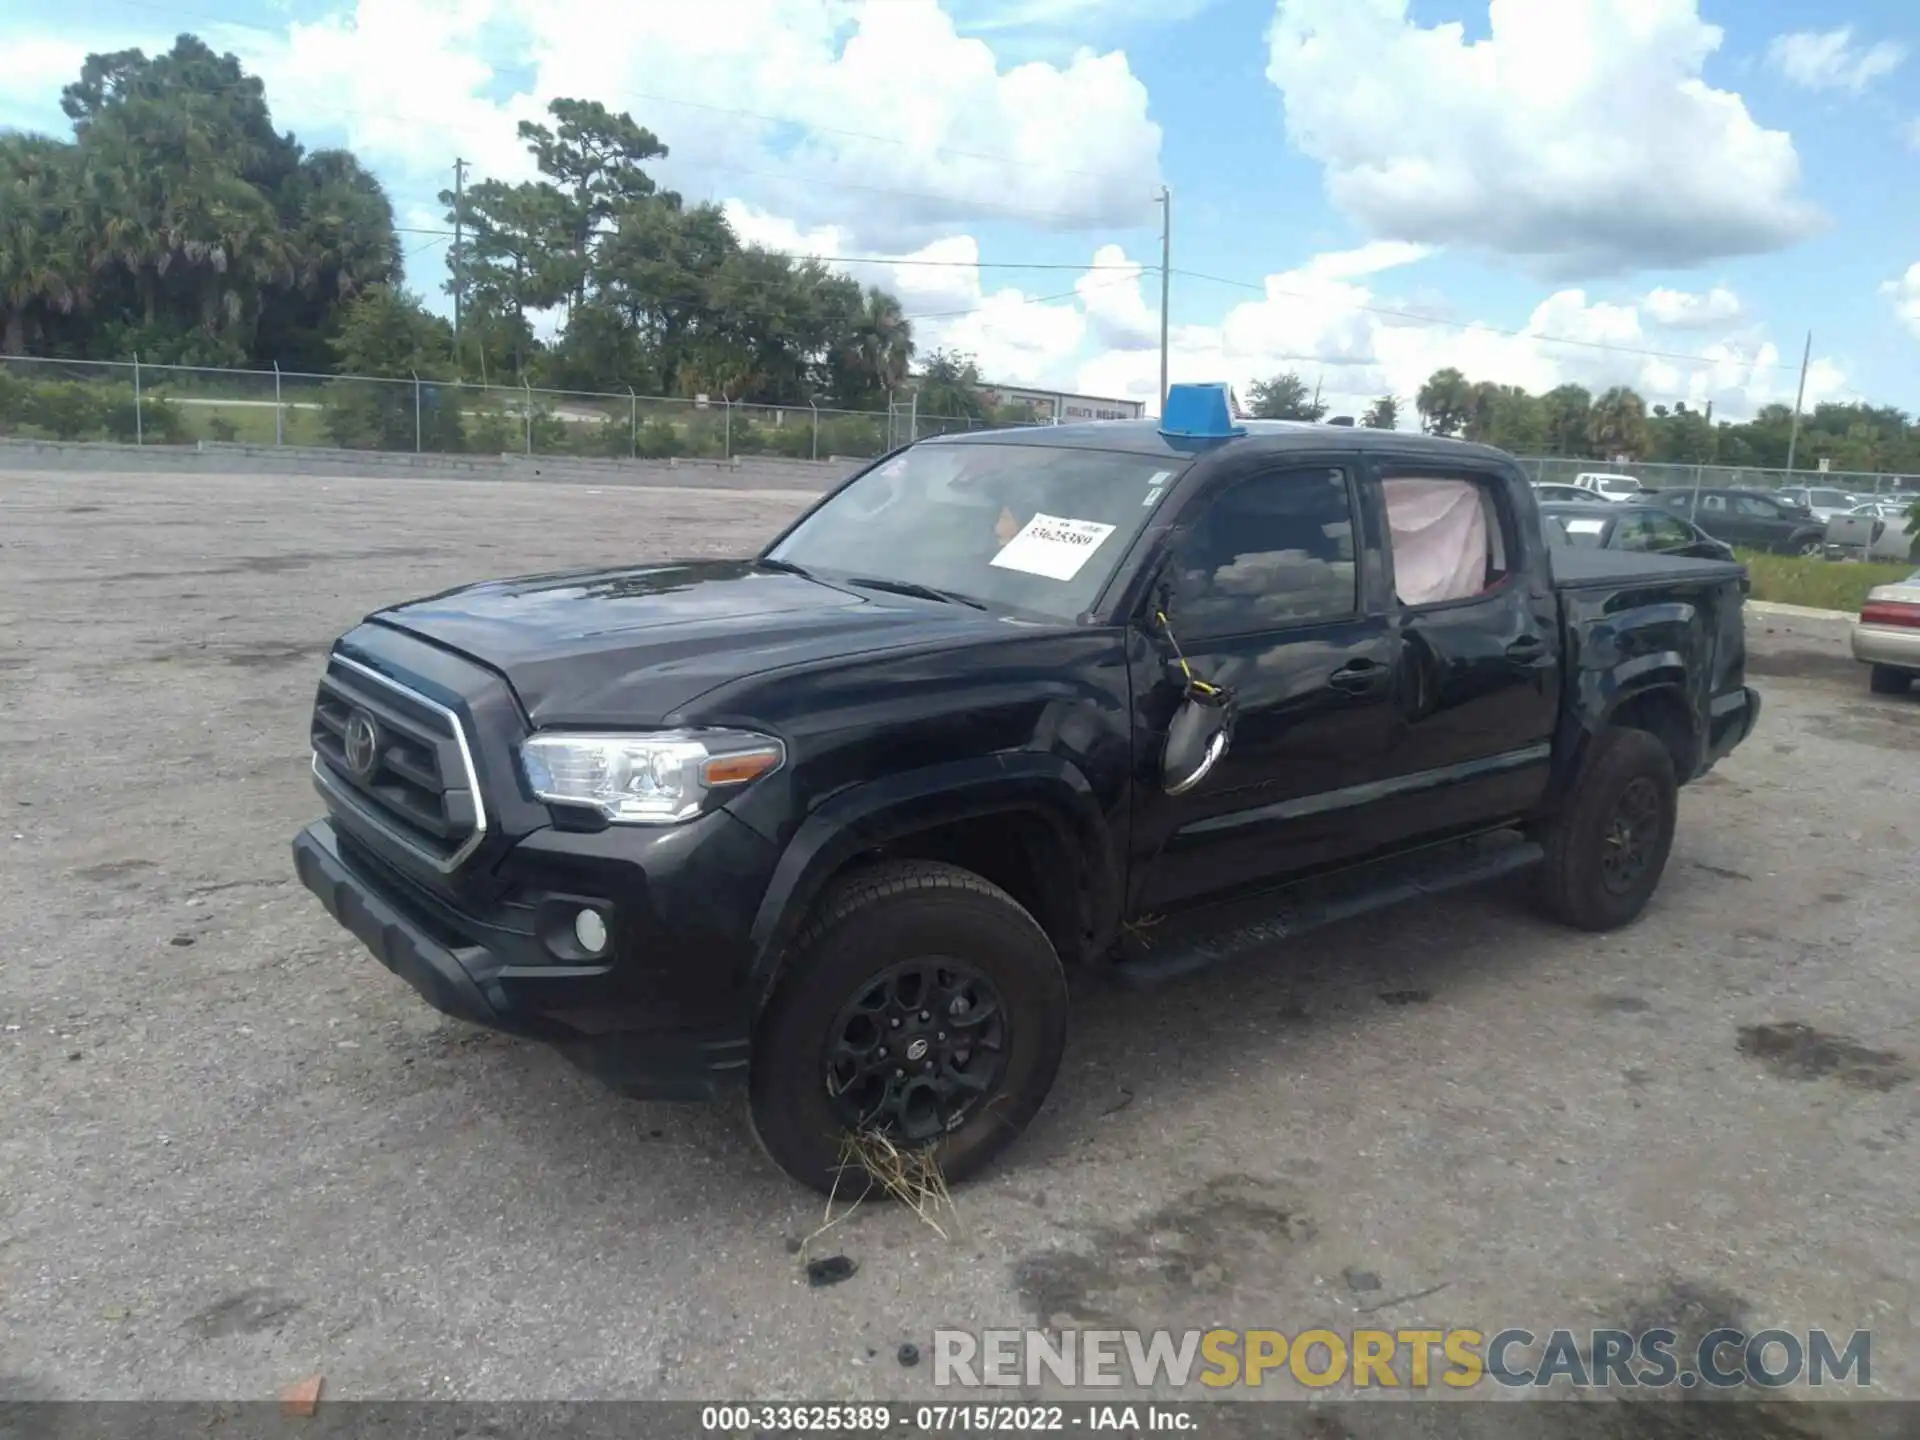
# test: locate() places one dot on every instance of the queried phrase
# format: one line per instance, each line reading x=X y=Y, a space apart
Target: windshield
x=1036 y=528
x=1619 y=485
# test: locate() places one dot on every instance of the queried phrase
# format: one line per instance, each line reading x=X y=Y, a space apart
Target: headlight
x=656 y=779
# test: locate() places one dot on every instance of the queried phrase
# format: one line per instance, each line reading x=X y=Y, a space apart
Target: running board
x=1154 y=953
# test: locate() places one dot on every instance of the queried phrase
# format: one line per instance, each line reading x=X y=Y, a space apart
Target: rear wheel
x=923 y=1005
x=1608 y=848
x=1885 y=680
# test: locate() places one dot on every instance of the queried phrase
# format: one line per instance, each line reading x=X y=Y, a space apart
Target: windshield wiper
x=912 y=587
x=784 y=566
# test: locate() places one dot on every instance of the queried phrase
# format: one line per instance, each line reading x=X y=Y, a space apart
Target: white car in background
x=1887 y=635
x=1878 y=530
x=1609 y=487
x=1823 y=502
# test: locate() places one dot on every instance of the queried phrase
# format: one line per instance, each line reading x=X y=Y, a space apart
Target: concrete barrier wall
x=746 y=472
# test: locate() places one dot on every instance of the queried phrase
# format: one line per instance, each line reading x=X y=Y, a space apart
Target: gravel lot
x=234 y=1151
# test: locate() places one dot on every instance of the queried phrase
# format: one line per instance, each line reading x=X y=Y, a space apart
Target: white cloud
x=1829 y=59
x=1357 y=345
x=1120 y=314
x=1578 y=135
x=874 y=115
x=35 y=67
x=1680 y=310
x=1910 y=132
x=1904 y=293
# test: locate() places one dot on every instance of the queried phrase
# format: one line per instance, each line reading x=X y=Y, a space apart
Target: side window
x=1272 y=550
x=1714 y=504
x=1449 y=538
x=1668 y=533
x=1751 y=505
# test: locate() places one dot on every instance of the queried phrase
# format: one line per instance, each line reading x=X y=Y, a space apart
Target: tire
x=1809 y=549
x=1577 y=884
x=1886 y=680
x=895 y=915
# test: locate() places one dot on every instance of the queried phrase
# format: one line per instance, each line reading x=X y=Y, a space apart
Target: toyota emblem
x=361 y=744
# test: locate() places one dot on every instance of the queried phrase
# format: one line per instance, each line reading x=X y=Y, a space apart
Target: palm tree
x=39 y=267
x=884 y=337
x=1444 y=402
x=1617 y=424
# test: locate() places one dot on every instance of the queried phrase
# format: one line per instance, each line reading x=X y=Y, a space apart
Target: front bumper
x=458 y=976
x=1887 y=645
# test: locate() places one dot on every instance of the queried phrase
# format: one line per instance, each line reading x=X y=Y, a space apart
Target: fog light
x=591 y=931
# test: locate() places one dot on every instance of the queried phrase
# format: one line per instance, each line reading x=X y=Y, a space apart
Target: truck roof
x=1143 y=437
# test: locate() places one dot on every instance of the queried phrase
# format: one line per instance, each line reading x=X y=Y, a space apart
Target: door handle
x=1357 y=677
x=1527 y=649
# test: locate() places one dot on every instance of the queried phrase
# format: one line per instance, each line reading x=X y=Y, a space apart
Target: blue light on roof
x=1198 y=412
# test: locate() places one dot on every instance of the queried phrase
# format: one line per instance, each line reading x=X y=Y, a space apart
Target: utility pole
x=1793 y=440
x=459 y=209
x=1166 y=275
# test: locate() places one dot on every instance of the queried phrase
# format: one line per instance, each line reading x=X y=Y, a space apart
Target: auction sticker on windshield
x=1053 y=547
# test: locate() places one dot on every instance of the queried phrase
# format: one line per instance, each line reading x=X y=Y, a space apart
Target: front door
x=1266 y=594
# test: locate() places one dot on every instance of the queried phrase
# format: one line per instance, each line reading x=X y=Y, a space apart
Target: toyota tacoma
x=833 y=825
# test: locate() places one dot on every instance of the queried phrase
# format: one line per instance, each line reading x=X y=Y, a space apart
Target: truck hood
x=633 y=645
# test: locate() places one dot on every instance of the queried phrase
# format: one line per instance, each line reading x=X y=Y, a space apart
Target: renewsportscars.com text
x=1402 y=1359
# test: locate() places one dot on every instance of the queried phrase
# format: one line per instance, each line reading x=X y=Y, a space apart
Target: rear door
x=1766 y=523
x=1477 y=692
x=1267 y=595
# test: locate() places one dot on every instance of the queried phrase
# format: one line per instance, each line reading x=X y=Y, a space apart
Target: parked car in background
x=1547 y=494
x=1822 y=502
x=1609 y=487
x=1887 y=635
x=1597 y=525
x=1878 y=530
x=1745 y=517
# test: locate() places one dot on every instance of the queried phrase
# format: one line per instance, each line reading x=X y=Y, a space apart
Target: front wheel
x=1812 y=549
x=923 y=1006
x=1608 y=847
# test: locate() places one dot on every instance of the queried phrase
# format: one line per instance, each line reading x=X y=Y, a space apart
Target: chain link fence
x=1560 y=470
x=181 y=405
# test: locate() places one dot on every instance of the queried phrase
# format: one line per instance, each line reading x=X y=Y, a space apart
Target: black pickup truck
x=837 y=822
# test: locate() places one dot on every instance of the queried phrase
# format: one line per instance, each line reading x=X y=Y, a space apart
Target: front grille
x=415 y=783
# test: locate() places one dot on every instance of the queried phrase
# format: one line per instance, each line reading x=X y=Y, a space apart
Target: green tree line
x=179 y=224
x=1571 y=420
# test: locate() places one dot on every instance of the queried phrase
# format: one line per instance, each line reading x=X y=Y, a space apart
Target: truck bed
x=1590 y=569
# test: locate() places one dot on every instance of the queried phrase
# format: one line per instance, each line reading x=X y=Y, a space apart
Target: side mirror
x=1196 y=740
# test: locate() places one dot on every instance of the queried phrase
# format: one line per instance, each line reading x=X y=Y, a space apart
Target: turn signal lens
x=740 y=768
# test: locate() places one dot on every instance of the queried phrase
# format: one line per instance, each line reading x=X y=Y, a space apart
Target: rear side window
x=1272 y=550
x=1449 y=538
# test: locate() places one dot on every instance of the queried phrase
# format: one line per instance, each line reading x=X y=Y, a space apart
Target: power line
x=1129 y=266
